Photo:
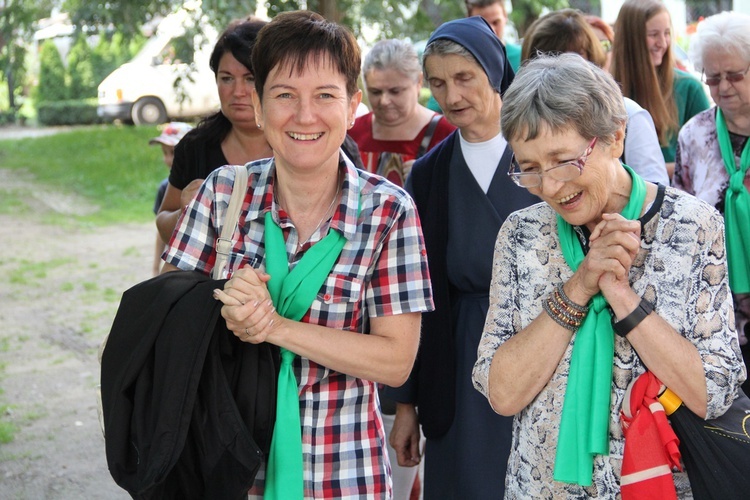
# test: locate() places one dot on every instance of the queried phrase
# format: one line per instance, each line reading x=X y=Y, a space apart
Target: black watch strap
x=626 y=324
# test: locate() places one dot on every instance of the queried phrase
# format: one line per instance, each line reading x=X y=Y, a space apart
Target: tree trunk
x=11 y=97
x=329 y=10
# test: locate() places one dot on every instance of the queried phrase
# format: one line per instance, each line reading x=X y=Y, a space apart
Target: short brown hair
x=474 y=4
x=564 y=30
x=292 y=38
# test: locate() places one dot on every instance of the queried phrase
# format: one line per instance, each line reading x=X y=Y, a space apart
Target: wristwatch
x=626 y=324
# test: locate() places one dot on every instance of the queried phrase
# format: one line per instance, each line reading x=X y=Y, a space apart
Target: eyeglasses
x=563 y=172
x=713 y=81
x=606 y=45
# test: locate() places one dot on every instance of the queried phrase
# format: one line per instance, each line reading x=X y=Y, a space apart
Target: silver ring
x=247 y=333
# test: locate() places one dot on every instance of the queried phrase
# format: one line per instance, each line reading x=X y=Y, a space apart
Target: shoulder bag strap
x=224 y=241
x=428 y=134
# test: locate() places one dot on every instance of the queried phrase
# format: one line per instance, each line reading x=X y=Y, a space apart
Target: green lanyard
x=584 y=425
x=736 y=210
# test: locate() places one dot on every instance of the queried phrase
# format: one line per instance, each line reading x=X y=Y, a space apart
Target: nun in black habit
x=463 y=195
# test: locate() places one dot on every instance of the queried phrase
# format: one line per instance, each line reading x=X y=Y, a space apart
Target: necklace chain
x=300 y=244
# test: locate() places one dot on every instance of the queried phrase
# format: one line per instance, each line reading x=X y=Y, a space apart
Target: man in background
x=493 y=11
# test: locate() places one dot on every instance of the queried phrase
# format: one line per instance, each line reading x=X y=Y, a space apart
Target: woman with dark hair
x=229 y=136
x=644 y=66
x=328 y=264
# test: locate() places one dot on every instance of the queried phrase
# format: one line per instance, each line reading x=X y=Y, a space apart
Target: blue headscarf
x=476 y=36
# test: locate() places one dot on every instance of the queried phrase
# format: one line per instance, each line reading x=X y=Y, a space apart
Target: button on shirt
x=382 y=271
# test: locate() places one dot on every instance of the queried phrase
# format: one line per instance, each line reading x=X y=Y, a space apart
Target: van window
x=178 y=50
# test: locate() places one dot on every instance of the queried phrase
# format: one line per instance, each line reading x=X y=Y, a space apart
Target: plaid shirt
x=382 y=271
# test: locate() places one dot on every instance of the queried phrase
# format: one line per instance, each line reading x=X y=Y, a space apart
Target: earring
x=259 y=125
x=351 y=124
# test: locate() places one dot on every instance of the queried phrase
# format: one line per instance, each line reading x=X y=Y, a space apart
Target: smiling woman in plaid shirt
x=362 y=324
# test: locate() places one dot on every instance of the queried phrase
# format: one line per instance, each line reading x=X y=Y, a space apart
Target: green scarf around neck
x=292 y=294
x=584 y=425
x=736 y=210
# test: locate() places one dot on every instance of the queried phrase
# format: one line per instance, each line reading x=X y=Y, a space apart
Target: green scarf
x=584 y=425
x=292 y=294
x=736 y=210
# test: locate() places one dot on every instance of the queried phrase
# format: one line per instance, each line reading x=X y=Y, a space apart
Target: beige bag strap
x=224 y=241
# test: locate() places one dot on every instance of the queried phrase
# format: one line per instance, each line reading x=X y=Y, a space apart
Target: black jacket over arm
x=188 y=408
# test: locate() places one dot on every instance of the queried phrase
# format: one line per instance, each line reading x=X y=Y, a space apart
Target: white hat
x=172 y=133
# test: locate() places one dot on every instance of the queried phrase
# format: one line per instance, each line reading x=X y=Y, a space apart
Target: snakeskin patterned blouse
x=680 y=268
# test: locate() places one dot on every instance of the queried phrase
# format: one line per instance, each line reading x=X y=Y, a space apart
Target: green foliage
x=80 y=70
x=7 y=117
x=526 y=12
x=51 y=74
x=220 y=12
x=68 y=112
x=125 y=15
x=112 y=50
x=16 y=20
x=102 y=59
x=111 y=167
x=414 y=19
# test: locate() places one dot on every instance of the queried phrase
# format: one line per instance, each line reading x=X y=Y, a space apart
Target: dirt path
x=59 y=290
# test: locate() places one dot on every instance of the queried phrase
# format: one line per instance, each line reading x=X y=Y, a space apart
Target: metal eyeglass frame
x=579 y=163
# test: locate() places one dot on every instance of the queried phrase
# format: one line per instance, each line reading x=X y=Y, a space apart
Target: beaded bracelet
x=564 y=311
x=570 y=303
x=566 y=308
x=560 y=318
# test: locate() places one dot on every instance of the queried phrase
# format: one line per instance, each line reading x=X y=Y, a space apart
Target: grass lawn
x=110 y=166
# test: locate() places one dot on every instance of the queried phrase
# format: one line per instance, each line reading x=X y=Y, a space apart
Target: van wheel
x=148 y=111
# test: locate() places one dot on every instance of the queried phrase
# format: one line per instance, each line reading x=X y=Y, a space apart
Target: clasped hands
x=613 y=246
x=248 y=308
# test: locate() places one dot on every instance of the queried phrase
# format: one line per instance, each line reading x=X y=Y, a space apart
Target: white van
x=168 y=79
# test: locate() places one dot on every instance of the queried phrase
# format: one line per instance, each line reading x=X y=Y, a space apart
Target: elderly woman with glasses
x=463 y=196
x=610 y=277
x=713 y=152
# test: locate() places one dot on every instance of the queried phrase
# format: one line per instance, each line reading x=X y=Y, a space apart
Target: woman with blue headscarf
x=463 y=195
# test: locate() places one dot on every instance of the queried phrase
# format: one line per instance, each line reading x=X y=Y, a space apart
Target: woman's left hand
x=617 y=240
x=248 y=308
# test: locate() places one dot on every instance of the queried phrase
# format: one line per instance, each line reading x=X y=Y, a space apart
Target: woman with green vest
x=643 y=64
x=713 y=153
x=328 y=264
x=610 y=277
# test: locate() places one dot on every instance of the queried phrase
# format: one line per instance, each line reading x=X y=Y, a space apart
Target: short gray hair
x=393 y=54
x=727 y=32
x=561 y=92
x=445 y=47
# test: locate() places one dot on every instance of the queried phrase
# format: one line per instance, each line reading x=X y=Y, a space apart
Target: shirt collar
x=346 y=214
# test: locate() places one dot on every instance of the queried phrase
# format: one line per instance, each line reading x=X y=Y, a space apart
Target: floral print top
x=700 y=171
